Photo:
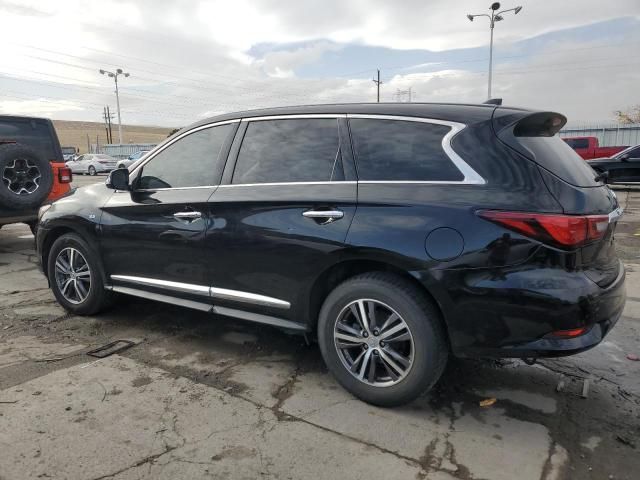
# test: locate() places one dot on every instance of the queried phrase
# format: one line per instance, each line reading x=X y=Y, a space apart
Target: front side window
x=191 y=161
x=292 y=150
x=394 y=150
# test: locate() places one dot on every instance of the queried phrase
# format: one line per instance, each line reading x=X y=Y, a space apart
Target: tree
x=631 y=115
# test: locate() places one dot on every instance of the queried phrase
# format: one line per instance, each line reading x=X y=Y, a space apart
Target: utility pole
x=493 y=18
x=119 y=71
x=106 y=115
x=378 y=83
x=400 y=94
x=109 y=117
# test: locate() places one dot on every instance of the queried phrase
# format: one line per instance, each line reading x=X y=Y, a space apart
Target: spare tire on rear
x=25 y=177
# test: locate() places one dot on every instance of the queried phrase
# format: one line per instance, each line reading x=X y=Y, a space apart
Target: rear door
x=282 y=214
x=153 y=237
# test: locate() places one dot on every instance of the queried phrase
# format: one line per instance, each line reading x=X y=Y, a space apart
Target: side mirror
x=118 y=179
x=625 y=157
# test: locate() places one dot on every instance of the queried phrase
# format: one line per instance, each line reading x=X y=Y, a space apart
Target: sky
x=192 y=59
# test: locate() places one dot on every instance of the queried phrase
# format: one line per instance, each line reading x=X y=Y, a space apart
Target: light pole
x=115 y=78
x=493 y=18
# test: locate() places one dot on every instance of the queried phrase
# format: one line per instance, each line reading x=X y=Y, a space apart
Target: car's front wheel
x=75 y=276
x=382 y=339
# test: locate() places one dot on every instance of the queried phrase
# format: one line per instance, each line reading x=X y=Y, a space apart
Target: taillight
x=560 y=230
x=65 y=175
x=572 y=333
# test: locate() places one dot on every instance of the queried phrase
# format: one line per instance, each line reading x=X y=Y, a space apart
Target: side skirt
x=206 y=307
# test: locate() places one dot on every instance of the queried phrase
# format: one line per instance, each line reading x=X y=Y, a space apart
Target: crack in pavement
x=145 y=460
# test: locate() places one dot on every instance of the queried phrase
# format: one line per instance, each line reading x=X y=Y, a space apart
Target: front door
x=281 y=216
x=153 y=236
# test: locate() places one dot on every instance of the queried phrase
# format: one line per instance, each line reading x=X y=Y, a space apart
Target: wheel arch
x=339 y=272
x=56 y=232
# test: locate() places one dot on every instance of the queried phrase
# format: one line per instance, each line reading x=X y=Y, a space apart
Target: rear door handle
x=327 y=215
x=187 y=215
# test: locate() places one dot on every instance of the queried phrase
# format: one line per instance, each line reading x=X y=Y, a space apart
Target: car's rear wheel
x=75 y=276
x=382 y=339
x=92 y=170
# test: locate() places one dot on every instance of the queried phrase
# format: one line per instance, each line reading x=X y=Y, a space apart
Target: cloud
x=188 y=58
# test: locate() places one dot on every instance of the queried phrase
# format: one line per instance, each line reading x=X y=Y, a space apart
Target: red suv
x=32 y=169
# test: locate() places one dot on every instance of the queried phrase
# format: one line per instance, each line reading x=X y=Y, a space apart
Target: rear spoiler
x=528 y=124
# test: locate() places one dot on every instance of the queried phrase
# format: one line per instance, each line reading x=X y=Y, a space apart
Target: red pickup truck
x=588 y=147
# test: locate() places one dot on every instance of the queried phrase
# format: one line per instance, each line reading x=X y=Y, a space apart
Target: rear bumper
x=512 y=313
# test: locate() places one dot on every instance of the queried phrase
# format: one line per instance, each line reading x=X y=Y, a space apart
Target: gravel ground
x=208 y=397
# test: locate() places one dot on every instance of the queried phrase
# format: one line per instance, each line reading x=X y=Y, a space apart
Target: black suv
x=394 y=233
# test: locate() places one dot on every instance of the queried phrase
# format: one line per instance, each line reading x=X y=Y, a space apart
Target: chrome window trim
x=346 y=182
x=151 y=155
x=213 y=292
x=471 y=177
x=294 y=116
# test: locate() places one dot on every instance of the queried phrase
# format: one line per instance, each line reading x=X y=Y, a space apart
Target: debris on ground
x=633 y=357
x=585 y=389
x=625 y=441
x=488 y=402
x=111 y=348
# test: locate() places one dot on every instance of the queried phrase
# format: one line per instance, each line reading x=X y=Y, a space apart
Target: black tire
x=430 y=351
x=92 y=170
x=25 y=177
x=97 y=297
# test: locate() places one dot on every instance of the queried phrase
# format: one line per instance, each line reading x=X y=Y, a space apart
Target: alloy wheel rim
x=22 y=177
x=73 y=276
x=374 y=343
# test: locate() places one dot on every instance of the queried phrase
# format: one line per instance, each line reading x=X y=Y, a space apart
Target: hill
x=74 y=134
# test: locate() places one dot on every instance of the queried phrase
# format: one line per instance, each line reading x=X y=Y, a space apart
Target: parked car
x=624 y=167
x=126 y=163
x=394 y=234
x=68 y=153
x=32 y=171
x=588 y=147
x=92 y=164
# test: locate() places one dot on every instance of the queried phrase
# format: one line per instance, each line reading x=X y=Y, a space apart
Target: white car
x=92 y=164
x=126 y=163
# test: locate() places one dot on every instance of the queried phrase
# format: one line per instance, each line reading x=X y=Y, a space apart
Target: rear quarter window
x=577 y=142
x=33 y=133
x=396 y=150
x=560 y=159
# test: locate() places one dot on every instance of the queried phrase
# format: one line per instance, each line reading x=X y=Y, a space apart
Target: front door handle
x=190 y=215
x=324 y=216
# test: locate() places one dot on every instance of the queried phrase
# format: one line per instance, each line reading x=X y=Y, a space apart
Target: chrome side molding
x=212 y=292
x=206 y=307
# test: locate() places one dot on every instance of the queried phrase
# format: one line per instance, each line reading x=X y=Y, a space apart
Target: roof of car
x=454 y=112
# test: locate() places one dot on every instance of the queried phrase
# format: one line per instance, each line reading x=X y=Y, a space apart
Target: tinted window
x=34 y=133
x=300 y=150
x=192 y=161
x=633 y=152
x=399 y=150
x=577 y=142
x=560 y=159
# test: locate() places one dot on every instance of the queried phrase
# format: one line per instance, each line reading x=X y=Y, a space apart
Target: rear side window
x=192 y=161
x=295 y=150
x=560 y=159
x=394 y=150
x=33 y=133
x=577 y=142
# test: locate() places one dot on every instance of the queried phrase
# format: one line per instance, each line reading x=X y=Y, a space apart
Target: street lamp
x=115 y=78
x=493 y=18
